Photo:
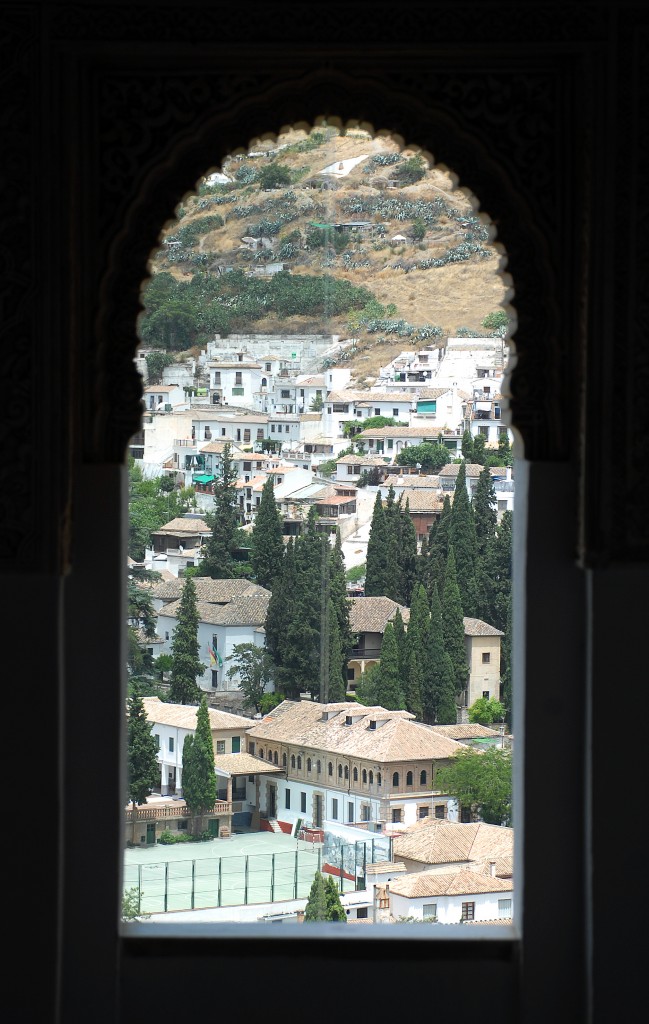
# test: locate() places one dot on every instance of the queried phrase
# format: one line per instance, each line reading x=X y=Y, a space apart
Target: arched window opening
x=364 y=776
x=409 y=779
x=422 y=777
x=330 y=769
x=292 y=760
x=299 y=762
x=355 y=774
x=284 y=760
x=308 y=764
x=395 y=779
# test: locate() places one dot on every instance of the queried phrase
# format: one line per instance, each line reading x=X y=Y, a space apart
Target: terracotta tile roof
x=361 y=460
x=476 y=627
x=216 y=448
x=372 y=614
x=207 y=589
x=439 y=841
x=244 y=763
x=396 y=738
x=182 y=525
x=421 y=499
x=240 y=611
x=456 y=883
x=453 y=468
x=411 y=480
x=183 y=716
x=468 y=731
x=379 y=432
x=316 y=380
x=432 y=393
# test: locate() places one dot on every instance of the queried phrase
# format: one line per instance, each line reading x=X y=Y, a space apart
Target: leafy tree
x=453 y=625
x=131 y=910
x=431 y=457
x=317 y=403
x=254 y=667
x=498 y=318
x=486 y=711
x=270 y=701
x=335 y=909
x=267 y=539
x=223 y=521
x=155 y=364
x=411 y=170
x=366 y=687
x=462 y=536
x=274 y=176
x=186 y=665
x=479 y=449
x=482 y=782
x=143 y=770
x=316 y=906
x=505 y=450
x=199 y=777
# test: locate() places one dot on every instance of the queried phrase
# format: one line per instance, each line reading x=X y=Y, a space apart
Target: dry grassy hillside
x=360 y=182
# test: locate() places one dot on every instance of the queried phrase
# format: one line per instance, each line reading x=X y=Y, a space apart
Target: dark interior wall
x=111 y=113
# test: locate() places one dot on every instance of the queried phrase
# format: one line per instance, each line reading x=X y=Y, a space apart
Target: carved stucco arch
x=460 y=141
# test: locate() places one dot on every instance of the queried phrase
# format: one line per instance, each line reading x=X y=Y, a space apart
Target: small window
x=303 y=802
x=299 y=763
x=181 y=826
x=157 y=740
x=330 y=769
x=260 y=434
x=292 y=761
x=246 y=434
x=275 y=758
x=377 y=412
x=485 y=693
x=395 y=413
x=346 y=772
x=364 y=776
x=220 y=746
x=171 y=744
x=350 y=812
x=396 y=815
x=340 y=771
x=409 y=779
x=361 y=913
x=422 y=778
x=318 y=767
x=440 y=811
x=251 y=746
x=247 y=466
x=261 y=753
x=378 y=778
x=284 y=760
x=429 y=911
x=355 y=774
x=215 y=678
x=423 y=812
x=334 y=809
x=365 y=812
x=270 y=755
x=287 y=799
x=308 y=764
x=468 y=911
x=395 y=780
x=486 y=657
x=371 y=778
x=504 y=908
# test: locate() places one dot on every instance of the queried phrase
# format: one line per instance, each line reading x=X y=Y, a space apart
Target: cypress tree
x=279 y=609
x=496 y=575
x=416 y=645
x=439 y=682
x=484 y=511
x=463 y=538
x=407 y=548
x=506 y=666
x=316 y=906
x=389 y=692
x=335 y=909
x=467 y=446
x=393 y=587
x=199 y=778
x=185 y=662
x=376 y=572
x=223 y=521
x=402 y=640
x=267 y=542
x=143 y=770
x=337 y=683
x=413 y=685
x=438 y=546
x=339 y=599
x=301 y=651
x=453 y=625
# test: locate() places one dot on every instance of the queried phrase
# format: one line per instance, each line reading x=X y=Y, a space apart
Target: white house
x=458 y=897
x=230 y=612
x=177 y=544
x=164 y=398
x=349 y=765
x=234 y=383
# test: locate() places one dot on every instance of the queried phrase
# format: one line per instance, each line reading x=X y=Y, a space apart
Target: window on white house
x=220 y=746
x=171 y=744
x=303 y=802
x=504 y=908
x=486 y=657
x=287 y=800
x=468 y=911
x=429 y=911
x=334 y=809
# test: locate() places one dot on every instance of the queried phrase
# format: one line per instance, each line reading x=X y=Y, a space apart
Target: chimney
x=492 y=868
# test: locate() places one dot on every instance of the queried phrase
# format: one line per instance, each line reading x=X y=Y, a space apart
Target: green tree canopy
x=388 y=688
x=335 y=909
x=186 y=664
x=218 y=561
x=143 y=770
x=486 y=711
x=431 y=457
x=481 y=782
x=267 y=542
x=462 y=536
x=316 y=906
x=453 y=625
x=199 y=777
x=254 y=667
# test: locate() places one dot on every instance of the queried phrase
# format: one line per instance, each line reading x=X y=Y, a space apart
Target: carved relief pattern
x=19 y=518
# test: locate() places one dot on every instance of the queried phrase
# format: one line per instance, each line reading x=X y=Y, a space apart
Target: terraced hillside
x=327 y=232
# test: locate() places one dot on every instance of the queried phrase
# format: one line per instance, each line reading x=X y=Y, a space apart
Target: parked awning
x=202 y=478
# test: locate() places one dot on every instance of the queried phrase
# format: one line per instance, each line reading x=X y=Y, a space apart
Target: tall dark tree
x=280 y=606
x=506 y=666
x=199 y=777
x=467 y=446
x=388 y=690
x=143 y=770
x=393 y=526
x=377 y=582
x=484 y=507
x=453 y=625
x=407 y=556
x=186 y=665
x=335 y=909
x=496 y=575
x=463 y=538
x=316 y=905
x=479 y=450
x=401 y=638
x=438 y=540
x=412 y=684
x=340 y=601
x=439 y=679
x=267 y=542
x=337 y=683
x=218 y=561
x=416 y=651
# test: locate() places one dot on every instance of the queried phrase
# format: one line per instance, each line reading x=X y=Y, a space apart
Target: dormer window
x=372 y=724
x=348 y=720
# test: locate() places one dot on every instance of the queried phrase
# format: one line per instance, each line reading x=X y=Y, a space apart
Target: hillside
x=357 y=216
